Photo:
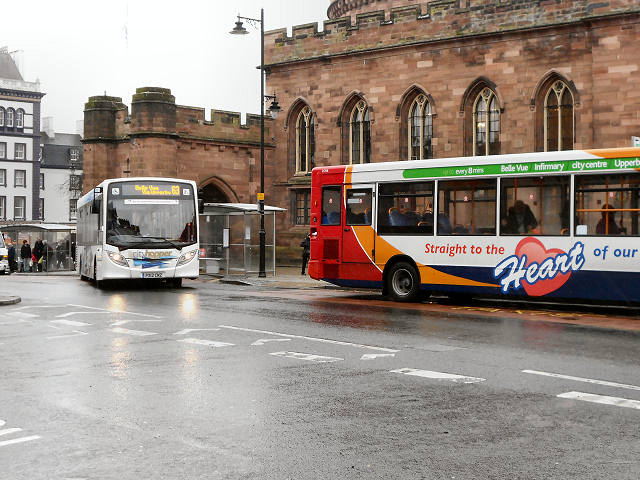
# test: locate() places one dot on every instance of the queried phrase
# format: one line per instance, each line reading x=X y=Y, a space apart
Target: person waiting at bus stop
x=520 y=219
x=25 y=254
x=306 y=246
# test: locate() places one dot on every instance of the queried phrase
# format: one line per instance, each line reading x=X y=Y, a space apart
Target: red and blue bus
x=561 y=225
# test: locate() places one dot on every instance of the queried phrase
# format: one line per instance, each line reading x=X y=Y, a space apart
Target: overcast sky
x=82 y=48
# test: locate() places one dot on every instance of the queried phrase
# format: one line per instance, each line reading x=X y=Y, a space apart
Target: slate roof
x=8 y=68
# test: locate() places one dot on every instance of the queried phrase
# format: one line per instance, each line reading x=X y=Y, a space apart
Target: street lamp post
x=274 y=109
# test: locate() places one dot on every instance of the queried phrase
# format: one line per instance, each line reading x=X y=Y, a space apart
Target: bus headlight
x=117 y=259
x=187 y=257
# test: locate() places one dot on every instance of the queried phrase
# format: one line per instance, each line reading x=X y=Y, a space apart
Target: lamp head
x=239 y=29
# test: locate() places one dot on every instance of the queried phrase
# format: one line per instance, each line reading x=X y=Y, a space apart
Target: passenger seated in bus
x=520 y=219
x=610 y=218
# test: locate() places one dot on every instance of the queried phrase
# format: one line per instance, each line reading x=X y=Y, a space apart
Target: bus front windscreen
x=151 y=215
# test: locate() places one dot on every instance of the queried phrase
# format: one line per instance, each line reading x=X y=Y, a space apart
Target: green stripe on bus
x=516 y=168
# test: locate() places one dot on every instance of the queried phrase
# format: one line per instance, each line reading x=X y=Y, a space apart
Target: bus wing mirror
x=95 y=209
x=200 y=201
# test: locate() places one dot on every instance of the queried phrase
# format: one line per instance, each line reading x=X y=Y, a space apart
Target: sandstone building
x=391 y=80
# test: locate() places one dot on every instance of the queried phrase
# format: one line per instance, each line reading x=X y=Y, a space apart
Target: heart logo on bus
x=537 y=253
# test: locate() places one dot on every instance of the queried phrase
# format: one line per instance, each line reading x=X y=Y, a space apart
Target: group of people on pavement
x=32 y=260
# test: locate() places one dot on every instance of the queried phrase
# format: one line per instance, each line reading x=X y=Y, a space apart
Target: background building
x=19 y=143
x=60 y=174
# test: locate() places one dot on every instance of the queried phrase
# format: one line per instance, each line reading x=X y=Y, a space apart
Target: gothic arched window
x=359 y=134
x=486 y=123
x=420 y=129
x=559 y=122
x=305 y=141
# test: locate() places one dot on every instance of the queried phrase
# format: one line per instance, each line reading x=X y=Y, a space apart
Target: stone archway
x=212 y=194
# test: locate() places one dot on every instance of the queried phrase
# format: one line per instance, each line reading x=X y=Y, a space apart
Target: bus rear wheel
x=403 y=283
x=176 y=282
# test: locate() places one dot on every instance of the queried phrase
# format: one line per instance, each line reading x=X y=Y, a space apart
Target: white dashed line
x=438 y=375
x=586 y=380
x=306 y=356
x=588 y=397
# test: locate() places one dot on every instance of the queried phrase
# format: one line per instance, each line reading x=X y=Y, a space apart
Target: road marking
x=262 y=341
x=586 y=380
x=438 y=375
x=372 y=356
x=75 y=334
x=68 y=314
x=7 y=431
x=189 y=330
x=122 y=322
x=314 y=339
x=18 y=440
x=15 y=322
x=132 y=332
x=209 y=343
x=21 y=314
x=307 y=356
x=113 y=311
x=587 y=397
x=71 y=322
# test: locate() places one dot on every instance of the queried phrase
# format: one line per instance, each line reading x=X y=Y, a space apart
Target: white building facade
x=20 y=103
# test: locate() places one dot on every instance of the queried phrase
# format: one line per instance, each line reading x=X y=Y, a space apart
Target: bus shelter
x=59 y=243
x=230 y=238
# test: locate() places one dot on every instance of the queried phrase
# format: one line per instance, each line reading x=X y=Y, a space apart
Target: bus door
x=357 y=225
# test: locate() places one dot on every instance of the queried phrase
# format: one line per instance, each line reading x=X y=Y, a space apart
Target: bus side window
x=358 y=204
x=534 y=205
x=467 y=207
x=607 y=204
x=331 y=205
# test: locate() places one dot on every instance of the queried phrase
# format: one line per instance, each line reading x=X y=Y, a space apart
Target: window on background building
x=303 y=203
x=3 y=178
x=3 y=150
x=559 y=122
x=420 y=129
x=73 y=154
x=305 y=141
x=360 y=134
x=19 y=208
x=486 y=122
x=1 y=117
x=20 y=151
x=9 y=118
x=20 y=118
x=20 y=178
x=73 y=209
x=41 y=209
x=42 y=181
x=75 y=182
x=3 y=208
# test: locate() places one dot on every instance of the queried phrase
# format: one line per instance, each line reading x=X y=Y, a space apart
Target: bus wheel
x=95 y=275
x=403 y=283
x=176 y=282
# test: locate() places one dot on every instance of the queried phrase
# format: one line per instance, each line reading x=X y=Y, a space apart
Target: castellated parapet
x=429 y=21
x=161 y=139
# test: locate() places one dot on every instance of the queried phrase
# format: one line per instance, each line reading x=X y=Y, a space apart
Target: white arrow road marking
x=262 y=341
x=7 y=431
x=587 y=397
x=306 y=356
x=18 y=440
x=21 y=314
x=189 y=330
x=438 y=375
x=68 y=314
x=209 y=343
x=334 y=342
x=122 y=322
x=371 y=356
x=139 y=333
x=586 y=380
x=75 y=334
x=71 y=322
x=15 y=322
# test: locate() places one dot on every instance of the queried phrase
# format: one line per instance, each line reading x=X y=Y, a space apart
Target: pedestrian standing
x=306 y=245
x=38 y=251
x=12 y=258
x=25 y=254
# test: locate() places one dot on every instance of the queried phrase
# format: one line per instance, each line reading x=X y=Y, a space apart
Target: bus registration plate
x=153 y=275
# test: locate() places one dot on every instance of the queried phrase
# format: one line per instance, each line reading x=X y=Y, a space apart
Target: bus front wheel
x=403 y=283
